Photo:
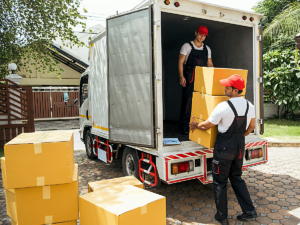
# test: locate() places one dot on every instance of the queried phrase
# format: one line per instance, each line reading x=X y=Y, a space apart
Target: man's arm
x=201 y=126
x=251 y=127
x=210 y=63
x=180 y=69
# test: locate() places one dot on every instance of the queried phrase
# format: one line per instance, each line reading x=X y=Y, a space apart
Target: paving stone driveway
x=274 y=188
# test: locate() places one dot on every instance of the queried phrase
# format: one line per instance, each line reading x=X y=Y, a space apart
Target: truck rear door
x=130 y=78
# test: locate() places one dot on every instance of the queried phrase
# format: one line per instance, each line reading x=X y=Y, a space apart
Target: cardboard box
x=207 y=79
x=128 y=180
x=205 y=138
x=44 y=205
x=38 y=159
x=203 y=104
x=62 y=223
x=122 y=205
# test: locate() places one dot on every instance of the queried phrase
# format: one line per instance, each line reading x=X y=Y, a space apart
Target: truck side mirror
x=76 y=100
x=66 y=97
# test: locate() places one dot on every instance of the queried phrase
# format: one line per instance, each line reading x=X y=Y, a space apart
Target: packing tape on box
x=199 y=140
x=143 y=209
x=37 y=145
x=202 y=95
x=46 y=192
x=200 y=117
x=48 y=219
x=40 y=181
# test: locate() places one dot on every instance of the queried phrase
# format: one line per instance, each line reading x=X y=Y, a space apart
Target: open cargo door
x=261 y=85
x=130 y=78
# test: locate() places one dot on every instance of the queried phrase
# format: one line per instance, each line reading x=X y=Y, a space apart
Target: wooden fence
x=49 y=102
x=16 y=110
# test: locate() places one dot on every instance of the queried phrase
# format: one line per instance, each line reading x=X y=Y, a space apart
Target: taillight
x=175 y=168
x=182 y=167
x=176 y=4
x=254 y=154
x=244 y=17
x=167 y=2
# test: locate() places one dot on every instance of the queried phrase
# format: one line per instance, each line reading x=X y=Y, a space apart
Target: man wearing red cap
x=235 y=119
x=192 y=54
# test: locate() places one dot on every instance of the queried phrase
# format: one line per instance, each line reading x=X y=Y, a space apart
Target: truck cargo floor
x=171 y=130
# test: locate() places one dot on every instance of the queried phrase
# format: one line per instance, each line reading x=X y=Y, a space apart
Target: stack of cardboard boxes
x=121 y=201
x=41 y=179
x=208 y=93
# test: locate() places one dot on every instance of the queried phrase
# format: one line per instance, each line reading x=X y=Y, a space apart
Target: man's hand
x=206 y=125
x=210 y=63
x=182 y=81
x=193 y=125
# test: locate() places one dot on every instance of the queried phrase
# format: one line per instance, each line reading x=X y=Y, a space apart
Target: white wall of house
x=81 y=52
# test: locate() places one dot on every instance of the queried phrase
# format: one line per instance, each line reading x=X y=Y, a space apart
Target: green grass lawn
x=283 y=130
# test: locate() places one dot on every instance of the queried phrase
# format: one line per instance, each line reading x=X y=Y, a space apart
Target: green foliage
x=287 y=22
x=282 y=79
x=28 y=29
x=281 y=42
x=279 y=22
x=270 y=9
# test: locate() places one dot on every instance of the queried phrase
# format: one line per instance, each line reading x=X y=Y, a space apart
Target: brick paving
x=274 y=188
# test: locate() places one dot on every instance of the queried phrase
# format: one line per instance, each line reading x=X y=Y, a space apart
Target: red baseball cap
x=235 y=80
x=203 y=30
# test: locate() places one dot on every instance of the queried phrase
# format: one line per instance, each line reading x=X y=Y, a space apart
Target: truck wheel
x=89 y=145
x=130 y=163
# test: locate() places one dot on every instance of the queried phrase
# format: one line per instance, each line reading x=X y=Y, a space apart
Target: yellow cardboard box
x=44 y=205
x=128 y=180
x=122 y=205
x=203 y=104
x=62 y=223
x=205 y=138
x=207 y=79
x=38 y=159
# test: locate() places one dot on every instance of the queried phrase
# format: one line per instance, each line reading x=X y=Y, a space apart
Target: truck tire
x=89 y=145
x=130 y=163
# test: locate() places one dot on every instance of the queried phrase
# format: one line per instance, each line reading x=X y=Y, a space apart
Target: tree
x=271 y=10
x=287 y=22
x=28 y=29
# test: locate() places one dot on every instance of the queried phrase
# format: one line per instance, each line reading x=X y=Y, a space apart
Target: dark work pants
x=185 y=112
x=232 y=169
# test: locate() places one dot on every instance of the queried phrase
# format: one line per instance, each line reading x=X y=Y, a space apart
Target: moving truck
x=130 y=95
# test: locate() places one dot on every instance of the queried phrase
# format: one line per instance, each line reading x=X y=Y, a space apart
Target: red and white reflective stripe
x=189 y=154
x=253 y=144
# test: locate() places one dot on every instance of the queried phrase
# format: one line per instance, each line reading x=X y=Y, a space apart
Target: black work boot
x=223 y=221
x=247 y=215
